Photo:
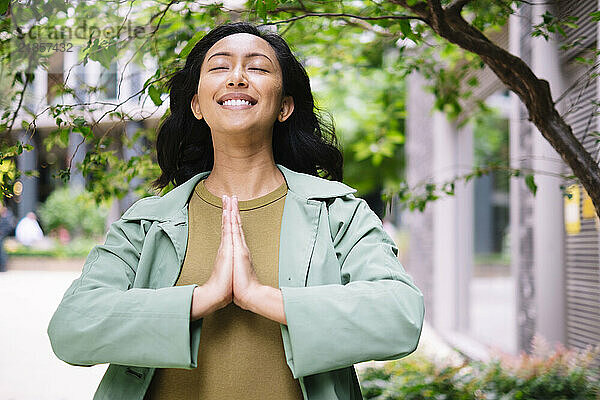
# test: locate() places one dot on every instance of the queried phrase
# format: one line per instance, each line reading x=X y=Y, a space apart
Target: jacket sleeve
x=103 y=319
x=375 y=314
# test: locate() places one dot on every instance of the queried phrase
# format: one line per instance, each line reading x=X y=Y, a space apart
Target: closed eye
x=212 y=69
x=259 y=69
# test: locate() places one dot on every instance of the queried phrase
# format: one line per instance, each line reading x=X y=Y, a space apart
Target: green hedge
x=74 y=210
x=559 y=374
x=77 y=248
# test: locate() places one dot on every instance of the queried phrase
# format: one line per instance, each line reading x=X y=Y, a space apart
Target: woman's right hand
x=217 y=292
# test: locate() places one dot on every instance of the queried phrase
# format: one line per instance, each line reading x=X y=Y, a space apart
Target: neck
x=247 y=173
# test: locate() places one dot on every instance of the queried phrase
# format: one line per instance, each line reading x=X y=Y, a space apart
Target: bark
x=518 y=77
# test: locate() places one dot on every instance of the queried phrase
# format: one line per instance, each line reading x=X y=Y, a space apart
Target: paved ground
x=29 y=370
x=494 y=312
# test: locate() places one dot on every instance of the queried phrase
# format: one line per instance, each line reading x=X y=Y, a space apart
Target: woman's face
x=240 y=86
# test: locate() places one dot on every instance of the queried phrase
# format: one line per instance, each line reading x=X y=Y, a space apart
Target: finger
x=223 y=215
x=226 y=221
x=241 y=228
x=238 y=221
x=234 y=224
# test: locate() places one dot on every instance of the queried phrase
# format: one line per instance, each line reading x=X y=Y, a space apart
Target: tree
x=446 y=20
x=318 y=29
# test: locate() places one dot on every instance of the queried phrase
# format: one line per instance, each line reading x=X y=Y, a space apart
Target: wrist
x=205 y=301
x=218 y=299
x=252 y=297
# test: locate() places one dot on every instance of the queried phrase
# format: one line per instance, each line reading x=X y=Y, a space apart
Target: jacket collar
x=171 y=204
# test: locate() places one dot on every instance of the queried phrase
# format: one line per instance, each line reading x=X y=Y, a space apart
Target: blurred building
x=496 y=263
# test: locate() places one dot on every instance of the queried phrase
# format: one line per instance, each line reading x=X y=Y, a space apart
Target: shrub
x=75 y=210
x=547 y=374
x=78 y=247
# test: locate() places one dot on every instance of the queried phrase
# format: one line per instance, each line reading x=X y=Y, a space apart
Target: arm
x=268 y=302
x=103 y=319
x=204 y=302
x=375 y=314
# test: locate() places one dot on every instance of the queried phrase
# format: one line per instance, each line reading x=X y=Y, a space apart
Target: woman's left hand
x=245 y=281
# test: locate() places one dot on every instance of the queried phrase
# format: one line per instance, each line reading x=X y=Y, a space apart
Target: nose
x=237 y=78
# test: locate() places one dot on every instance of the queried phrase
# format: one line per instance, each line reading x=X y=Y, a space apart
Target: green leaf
x=190 y=44
x=405 y=28
x=79 y=121
x=85 y=131
x=261 y=8
x=4 y=6
x=155 y=95
x=153 y=77
x=104 y=54
x=529 y=180
x=64 y=137
x=473 y=81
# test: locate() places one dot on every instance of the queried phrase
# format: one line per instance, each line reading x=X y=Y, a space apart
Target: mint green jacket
x=346 y=296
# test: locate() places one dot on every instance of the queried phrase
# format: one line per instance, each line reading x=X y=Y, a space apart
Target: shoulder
x=313 y=187
x=349 y=210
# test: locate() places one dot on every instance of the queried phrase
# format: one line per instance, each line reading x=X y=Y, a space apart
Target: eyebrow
x=248 y=55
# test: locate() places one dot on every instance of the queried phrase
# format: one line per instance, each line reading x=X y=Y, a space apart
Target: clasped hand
x=233 y=276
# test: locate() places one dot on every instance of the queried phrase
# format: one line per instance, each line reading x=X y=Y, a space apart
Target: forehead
x=241 y=43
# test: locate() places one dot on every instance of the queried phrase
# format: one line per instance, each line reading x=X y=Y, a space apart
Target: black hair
x=304 y=142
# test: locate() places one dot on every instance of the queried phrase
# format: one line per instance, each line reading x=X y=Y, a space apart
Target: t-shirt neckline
x=243 y=205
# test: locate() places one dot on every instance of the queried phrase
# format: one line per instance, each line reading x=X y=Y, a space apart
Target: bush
x=79 y=247
x=547 y=374
x=74 y=210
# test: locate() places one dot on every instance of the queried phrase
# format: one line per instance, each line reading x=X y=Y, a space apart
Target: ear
x=196 y=107
x=287 y=107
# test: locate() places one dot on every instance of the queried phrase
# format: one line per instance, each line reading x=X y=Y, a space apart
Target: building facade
x=500 y=266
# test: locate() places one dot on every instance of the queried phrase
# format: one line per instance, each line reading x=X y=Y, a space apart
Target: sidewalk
x=29 y=370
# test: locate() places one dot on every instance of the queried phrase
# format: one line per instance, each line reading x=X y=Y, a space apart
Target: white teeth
x=236 y=102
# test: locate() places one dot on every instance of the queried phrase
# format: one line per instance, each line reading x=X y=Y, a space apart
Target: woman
x=254 y=278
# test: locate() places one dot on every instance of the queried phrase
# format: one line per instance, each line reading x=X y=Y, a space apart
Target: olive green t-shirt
x=241 y=354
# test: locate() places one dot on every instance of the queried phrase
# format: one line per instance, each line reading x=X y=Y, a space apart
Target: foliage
x=79 y=247
x=369 y=109
x=361 y=49
x=75 y=211
x=558 y=373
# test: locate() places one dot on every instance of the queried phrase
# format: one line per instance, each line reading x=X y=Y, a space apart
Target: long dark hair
x=305 y=142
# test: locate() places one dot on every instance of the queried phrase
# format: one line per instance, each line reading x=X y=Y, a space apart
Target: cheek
x=203 y=92
x=276 y=92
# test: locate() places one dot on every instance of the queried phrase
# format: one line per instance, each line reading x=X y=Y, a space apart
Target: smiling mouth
x=236 y=104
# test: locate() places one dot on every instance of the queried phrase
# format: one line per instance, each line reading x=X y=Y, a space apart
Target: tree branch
x=456 y=6
x=533 y=92
x=19 y=105
x=359 y=17
x=420 y=9
x=365 y=25
x=438 y=17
